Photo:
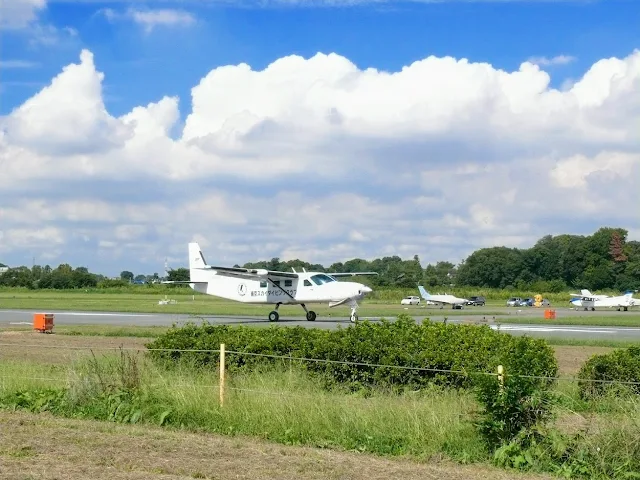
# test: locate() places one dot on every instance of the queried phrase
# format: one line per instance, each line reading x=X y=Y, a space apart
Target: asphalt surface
x=10 y=318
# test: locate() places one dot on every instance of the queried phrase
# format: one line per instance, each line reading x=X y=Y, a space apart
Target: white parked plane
x=623 y=302
x=576 y=298
x=268 y=287
x=452 y=300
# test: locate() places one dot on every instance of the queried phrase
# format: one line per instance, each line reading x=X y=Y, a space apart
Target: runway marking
x=88 y=314
x=114 y=314
x=19 y=323
x=551 y=329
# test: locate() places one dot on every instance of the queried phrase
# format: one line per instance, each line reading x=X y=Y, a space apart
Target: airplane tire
x=353 y=318
x=274 y=316
x=311 y=316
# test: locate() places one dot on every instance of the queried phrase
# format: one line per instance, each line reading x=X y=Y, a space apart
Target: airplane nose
x=365 y=289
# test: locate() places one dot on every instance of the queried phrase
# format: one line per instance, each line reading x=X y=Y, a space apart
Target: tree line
x=604 y=260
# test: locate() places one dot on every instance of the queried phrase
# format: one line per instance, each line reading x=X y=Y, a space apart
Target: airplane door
x=588 y=303
x=309 y=290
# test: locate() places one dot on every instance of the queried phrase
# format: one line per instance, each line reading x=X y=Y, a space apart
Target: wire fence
x=497 y=374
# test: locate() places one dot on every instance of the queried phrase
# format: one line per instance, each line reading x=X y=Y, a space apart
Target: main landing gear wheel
x=274 y=316
x=311 y=315
x=353 y=318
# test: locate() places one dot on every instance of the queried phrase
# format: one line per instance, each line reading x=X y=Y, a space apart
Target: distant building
x=3 y=269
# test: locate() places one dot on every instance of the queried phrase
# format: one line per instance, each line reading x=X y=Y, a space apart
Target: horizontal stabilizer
x=183 y=282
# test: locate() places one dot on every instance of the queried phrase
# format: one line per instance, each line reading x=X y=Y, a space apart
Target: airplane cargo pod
x=43 y=322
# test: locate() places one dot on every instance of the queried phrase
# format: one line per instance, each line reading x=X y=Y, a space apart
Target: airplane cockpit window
x=321 y=279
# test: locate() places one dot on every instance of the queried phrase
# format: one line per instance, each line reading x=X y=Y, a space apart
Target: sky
x=323 y=130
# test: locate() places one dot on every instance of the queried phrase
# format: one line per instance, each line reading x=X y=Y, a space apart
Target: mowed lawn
x=199 y=304
x=204 y=305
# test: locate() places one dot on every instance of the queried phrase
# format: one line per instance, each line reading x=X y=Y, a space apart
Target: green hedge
x=403 y=343
x=621 y=365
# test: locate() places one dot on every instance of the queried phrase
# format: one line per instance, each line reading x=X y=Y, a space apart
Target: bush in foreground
x=398 y=355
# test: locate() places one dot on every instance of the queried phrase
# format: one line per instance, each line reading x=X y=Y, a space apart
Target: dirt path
x=44 y=447
x=46 y=348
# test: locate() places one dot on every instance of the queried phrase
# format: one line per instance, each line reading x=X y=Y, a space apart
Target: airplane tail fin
x=423 y=292
x=196 y=258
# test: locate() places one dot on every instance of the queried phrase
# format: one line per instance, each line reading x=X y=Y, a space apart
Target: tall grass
x=283 y=405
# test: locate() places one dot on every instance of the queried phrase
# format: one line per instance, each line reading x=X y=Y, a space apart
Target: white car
x=412 y=300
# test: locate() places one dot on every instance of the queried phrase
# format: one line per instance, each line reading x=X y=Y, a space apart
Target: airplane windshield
x=321 y=279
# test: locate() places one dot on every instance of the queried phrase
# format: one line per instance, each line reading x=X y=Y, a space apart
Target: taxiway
x=10 y=318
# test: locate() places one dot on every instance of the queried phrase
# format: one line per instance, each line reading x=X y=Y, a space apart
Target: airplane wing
x=181 y=282
x=351 y=274
x=251 y=272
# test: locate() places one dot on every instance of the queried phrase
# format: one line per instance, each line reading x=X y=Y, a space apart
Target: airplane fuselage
x=309 y=288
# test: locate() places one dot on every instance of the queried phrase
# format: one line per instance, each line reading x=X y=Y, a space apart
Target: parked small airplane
x=576 y=298
x=452 y=300
x=623 y=302
x=268 y=287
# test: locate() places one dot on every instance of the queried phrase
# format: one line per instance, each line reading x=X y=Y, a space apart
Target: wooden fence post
x=222 y=369
x=501 y=377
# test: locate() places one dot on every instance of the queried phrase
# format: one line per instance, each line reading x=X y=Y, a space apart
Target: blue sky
x=144 y=66
x=142 y=63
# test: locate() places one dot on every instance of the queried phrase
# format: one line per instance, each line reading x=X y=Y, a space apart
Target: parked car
x=545 y=303
x=477 y=301
x=526 y=302
x=411 y=300
x=514 y=302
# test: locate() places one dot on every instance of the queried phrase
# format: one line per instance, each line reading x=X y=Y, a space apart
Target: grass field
x=277 y=425
x=587 y=319
x=199 y=305
x=148 y=333
x=208 y=305
x=321 y=434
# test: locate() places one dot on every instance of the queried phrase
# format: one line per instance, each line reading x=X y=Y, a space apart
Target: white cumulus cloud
x=315 y=157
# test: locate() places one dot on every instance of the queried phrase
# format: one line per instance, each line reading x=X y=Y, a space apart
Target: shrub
x=384 y=354
x=621 y=365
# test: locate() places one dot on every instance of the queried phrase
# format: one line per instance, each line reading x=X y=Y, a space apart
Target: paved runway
x=25 y=317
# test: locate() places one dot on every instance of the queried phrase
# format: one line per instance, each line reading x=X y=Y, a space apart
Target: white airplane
x=576 y=298
x=268 y=287
x=452 y=300
x=623 y=302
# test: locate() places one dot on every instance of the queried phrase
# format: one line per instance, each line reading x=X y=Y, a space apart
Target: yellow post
x=501 y=377
x=222 y=374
